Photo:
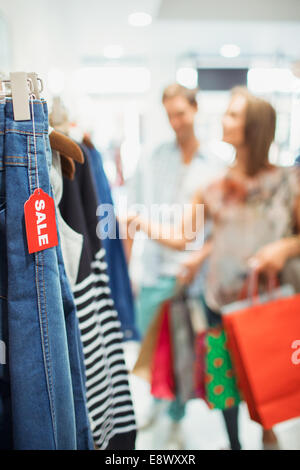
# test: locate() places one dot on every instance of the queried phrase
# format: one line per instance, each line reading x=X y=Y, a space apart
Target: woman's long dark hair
x=259 y=130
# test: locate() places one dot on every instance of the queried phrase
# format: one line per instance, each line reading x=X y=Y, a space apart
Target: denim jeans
x=42 y=395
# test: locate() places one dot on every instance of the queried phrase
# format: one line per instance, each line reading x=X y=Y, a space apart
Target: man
x=171 y=176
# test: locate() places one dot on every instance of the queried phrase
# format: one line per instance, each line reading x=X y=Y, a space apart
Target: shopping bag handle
x=253 y=279
x=180 y=290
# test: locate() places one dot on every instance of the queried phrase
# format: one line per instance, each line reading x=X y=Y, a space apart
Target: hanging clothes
x=108 y=395
x=119 y=281
x=71 y=241
x=42 y=389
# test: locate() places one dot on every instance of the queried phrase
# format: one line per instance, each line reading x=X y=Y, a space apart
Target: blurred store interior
x=110 y=74
x=107 y=63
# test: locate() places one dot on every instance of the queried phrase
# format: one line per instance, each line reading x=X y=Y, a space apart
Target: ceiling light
x=187 y=76
x=230 y=50
x=113 y=51
x=139 y=19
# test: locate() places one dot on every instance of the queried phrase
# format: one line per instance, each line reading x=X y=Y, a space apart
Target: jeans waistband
x=38 y=126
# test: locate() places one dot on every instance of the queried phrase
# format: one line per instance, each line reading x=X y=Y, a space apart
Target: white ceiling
x=60 y=33
x=241 y=10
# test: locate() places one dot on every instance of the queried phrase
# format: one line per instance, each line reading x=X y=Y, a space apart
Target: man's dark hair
x=173 y=90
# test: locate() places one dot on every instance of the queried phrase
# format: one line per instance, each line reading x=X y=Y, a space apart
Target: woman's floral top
x=247 y=215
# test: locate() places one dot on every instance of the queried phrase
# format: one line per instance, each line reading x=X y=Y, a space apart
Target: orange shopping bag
x=261 y=338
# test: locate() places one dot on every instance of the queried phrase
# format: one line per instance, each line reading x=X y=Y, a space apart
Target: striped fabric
x=108 y=395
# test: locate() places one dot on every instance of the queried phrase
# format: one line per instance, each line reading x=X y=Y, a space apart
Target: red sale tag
x=40 y=222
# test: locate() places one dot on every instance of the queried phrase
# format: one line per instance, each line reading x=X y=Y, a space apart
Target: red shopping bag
x=261 y=338
x=162 y=379
x=199 y=366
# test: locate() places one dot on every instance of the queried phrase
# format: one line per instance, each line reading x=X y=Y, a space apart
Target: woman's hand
x=271 y=258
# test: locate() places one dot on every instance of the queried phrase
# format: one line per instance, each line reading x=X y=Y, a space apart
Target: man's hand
x=128 y=229
x=129 y=224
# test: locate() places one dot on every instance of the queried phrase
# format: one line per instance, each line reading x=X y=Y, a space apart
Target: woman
x=255 y=210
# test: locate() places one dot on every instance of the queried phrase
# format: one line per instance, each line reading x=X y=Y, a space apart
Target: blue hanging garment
x=119 y=281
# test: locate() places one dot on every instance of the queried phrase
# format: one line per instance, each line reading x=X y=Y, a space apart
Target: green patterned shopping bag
x=220 y=380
